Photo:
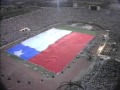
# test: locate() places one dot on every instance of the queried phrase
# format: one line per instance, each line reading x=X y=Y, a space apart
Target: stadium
x=60 y=45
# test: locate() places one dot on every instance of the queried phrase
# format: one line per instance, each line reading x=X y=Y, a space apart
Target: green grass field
x=74 y=29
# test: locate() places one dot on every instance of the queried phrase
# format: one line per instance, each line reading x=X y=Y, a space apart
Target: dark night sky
x=9 y=1
x=6 y=1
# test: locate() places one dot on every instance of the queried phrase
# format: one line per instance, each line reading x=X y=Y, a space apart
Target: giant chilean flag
x=52 y=49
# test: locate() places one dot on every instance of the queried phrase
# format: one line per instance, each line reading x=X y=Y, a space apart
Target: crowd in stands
x=44 y=17
x=37 y=20
x=105 y=75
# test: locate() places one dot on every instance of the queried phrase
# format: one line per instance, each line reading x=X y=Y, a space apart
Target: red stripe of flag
x=58 y=55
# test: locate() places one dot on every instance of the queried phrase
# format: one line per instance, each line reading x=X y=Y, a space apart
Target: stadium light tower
x=58 y=4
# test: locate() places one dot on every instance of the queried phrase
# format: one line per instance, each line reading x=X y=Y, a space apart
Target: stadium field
x=58 y=55
x=75 y=29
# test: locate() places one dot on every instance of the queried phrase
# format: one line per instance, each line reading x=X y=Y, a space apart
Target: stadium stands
x=48 y=16
x=108 y=72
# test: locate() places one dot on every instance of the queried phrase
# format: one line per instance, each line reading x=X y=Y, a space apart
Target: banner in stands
x=53 y=49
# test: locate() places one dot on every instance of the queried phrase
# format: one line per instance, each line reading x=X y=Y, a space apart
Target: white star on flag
x=18 y=53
